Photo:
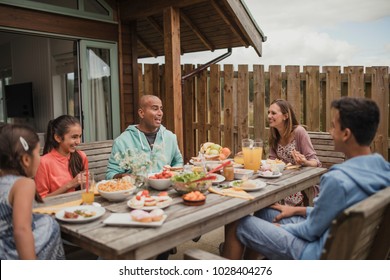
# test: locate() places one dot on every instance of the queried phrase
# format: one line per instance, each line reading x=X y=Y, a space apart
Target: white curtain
x=98 y=103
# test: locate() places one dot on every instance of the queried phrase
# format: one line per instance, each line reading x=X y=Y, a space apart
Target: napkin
x=52 y=209
x=231 y=192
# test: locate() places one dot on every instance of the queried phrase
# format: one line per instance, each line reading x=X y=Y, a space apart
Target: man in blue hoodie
x=149 y=146
x=285 y=232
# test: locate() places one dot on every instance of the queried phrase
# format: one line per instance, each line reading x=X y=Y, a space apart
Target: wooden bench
x=360 y=232
x=198 y=254
x=324 y=146
x=98 y=154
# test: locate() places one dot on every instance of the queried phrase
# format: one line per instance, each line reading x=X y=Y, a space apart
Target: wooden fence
x=227 y=106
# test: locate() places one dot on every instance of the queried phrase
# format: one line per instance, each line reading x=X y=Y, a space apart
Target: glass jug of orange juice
x=253 y=151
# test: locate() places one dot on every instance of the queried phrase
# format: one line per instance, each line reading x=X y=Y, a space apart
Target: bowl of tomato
x=160 y=181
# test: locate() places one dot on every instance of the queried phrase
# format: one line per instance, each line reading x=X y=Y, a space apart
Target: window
x=93 y=9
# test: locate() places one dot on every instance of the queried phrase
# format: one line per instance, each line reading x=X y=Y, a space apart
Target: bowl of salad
x=181 y=182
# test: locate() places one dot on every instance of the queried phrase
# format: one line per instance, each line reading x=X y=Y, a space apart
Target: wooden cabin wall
x=37 y=21
x=128 y=77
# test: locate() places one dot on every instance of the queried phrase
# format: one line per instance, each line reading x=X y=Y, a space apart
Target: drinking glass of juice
x=252 y=150
x=88 y=187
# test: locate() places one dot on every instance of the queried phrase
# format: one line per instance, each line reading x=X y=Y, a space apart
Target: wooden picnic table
x=183 y=222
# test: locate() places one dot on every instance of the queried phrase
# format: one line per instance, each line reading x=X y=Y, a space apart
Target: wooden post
x=173 y=73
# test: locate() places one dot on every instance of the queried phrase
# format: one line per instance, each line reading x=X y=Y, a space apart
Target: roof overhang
x=204 y=25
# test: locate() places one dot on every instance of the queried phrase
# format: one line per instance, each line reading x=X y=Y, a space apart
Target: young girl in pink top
x=61 y=164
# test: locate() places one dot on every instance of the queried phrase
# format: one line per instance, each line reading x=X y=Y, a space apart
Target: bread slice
x=232 y=192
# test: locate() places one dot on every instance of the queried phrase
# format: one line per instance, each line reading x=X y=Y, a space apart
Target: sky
x=312 y=32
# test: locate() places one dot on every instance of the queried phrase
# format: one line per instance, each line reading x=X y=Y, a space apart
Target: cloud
x=286 y=14
x=306 y=32
x=302 y=47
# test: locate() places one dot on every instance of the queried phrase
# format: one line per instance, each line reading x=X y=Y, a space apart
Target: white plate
x=219 y=178
x=124 y=219
x=96 y=204
x=99 y=211
x=269 y=176
x=147 y=208
x=259 y=185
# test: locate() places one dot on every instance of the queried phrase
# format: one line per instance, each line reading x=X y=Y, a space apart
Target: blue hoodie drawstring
x=140 y=139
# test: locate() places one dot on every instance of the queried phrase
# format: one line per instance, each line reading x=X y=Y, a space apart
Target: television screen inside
x=19 y=100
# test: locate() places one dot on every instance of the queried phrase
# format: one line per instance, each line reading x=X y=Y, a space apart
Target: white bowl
x=241 y=173
x=212 y=165
x=280 y=166
x=118 y=195
x=273 y=163
x=159 y=184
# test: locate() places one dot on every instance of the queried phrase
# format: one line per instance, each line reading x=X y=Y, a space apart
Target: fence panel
x=275 y=82
x=202 y=108
x=215 y=103
x=294 y=89
x=259 y=108
x=189 y=116
x=226 y=106
x=312 y=103
x=228 y=110
x=242 y=103
x=380 y=94
x=355 y=80
x=332 y=91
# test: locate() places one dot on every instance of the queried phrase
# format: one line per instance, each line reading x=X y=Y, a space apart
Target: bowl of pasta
x=116 y=189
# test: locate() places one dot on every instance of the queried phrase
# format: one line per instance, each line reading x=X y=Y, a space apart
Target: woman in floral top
x=289 y=141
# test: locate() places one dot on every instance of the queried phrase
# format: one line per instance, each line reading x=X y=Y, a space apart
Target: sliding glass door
x=99 y=91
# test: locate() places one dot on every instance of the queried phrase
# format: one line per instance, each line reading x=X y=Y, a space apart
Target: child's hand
x=77 y=180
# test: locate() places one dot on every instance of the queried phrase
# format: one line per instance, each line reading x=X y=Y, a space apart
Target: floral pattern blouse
x=301 y=143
